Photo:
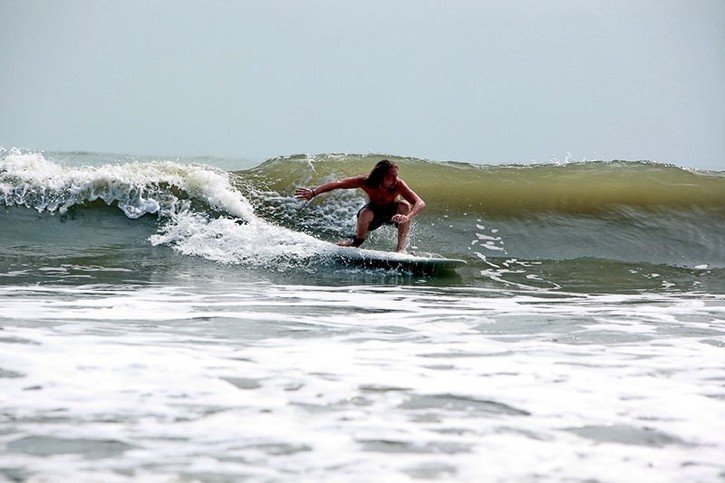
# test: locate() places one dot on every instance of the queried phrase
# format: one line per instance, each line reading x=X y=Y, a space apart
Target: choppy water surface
x=273 y=381
x=197 y=333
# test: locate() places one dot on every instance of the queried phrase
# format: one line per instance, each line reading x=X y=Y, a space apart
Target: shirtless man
x=391 y=201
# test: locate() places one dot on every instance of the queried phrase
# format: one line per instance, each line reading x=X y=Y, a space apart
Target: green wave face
x=575 y=188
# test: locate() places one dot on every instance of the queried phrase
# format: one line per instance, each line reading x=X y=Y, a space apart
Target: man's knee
x=366 y=216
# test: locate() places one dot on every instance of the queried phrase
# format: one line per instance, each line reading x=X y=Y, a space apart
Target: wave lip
x=31 y=180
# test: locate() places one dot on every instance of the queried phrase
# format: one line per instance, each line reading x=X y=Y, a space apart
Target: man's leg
x=403 y=228
x=363 y=223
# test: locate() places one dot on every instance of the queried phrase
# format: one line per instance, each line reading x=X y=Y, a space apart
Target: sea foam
x=181 y=195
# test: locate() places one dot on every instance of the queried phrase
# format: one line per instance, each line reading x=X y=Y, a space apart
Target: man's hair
x=378 y=173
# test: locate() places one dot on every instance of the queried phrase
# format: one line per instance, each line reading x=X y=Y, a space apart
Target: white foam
x=29 y=179
x=224 y=240
x=363 y=383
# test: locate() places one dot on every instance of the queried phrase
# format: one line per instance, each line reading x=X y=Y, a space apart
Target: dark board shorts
x=381 y=214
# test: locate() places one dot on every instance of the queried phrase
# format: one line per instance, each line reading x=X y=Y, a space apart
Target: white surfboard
x=428 y=263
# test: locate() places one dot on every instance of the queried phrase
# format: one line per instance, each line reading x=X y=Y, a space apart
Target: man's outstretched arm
x=346 y=183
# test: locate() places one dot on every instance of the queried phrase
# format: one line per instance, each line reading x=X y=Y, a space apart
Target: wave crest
x=163 y=187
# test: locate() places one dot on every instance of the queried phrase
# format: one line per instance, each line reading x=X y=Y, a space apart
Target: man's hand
x=305 y=193
x=400 y=219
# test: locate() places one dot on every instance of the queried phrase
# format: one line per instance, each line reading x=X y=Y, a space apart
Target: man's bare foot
x=355 y=242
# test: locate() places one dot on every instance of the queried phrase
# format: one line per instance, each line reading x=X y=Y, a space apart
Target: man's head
x=384 y=175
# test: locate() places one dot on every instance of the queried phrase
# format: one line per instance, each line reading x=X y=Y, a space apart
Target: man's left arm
x=416 y=203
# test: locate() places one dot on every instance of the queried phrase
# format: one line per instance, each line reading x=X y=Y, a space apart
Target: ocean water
x=186 y=320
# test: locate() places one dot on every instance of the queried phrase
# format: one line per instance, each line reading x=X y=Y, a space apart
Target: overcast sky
x=468 y=80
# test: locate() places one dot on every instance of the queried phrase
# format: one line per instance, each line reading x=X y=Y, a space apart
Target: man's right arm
x=345 y=183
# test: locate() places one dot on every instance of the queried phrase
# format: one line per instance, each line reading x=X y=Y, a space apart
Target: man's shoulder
x=401 y=185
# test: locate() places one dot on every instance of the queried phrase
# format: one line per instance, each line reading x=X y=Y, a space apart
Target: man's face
x=390 y=179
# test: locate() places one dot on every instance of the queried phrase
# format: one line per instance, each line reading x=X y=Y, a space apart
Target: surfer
x=390 y=201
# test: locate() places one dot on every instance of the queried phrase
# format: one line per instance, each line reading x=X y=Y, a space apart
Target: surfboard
x=429 y=263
